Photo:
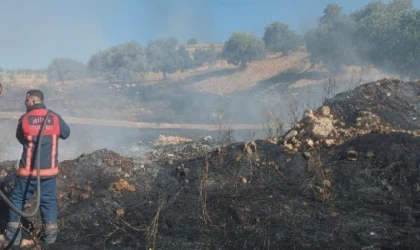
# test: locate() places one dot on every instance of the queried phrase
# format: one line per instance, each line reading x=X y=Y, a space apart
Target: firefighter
x=27 y=132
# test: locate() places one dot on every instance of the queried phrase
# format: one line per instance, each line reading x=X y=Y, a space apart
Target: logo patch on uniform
x=38 y=120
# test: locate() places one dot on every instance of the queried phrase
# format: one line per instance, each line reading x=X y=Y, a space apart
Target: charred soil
x=360 y=193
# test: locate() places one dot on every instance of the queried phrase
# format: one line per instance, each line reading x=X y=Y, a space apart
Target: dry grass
x=292 y=109
x=152 y=78
x=152 y=230
x=272 y=123
x=203 y=193
x=349 y=75
x=254 y=73
x=217 y=46
x=321 y=180
x=24 y=80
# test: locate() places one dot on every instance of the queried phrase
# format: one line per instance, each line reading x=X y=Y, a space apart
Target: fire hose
x=37 y=165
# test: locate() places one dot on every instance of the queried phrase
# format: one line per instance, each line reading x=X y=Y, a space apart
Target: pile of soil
x=363 y=193
x=396 y=103
x=384 y=106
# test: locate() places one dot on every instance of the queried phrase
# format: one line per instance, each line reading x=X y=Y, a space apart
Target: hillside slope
x=192 y=96
x=294 y=69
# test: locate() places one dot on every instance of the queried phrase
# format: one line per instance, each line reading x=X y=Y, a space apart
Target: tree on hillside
x=332 y=13
x=64 y=69
x=119 y=63
x=192 y=41
x=202 y=57
x=385 y=33
x=186 y=60
x=242 y=48
x=155 y=55
x=164 y=56
x=406 y=56
x=279 y=38
x=332 y=42
x=400 y=6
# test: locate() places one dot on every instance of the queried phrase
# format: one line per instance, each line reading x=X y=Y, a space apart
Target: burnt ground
x=200 y=196
x=397 y=103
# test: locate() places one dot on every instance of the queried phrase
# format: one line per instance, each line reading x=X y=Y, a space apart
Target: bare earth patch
x=254 y=73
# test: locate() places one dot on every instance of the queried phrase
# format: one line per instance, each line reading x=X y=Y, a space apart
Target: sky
x=35 y=32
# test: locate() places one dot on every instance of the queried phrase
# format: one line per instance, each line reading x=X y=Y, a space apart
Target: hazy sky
x=34 y=32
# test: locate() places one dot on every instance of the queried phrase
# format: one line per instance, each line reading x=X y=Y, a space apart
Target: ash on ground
x=346 y=176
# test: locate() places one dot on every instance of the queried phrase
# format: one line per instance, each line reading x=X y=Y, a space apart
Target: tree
x=164 y=56
x=64 y=69
x=279 y=38
x=187 y=61
x=386 y=34
x=155 y=55
x=192 y=41
x=332 y=42
x=202 y=57
x=332 y=14
x=406 y=56
x=127 y=57
x=243 y=48
x=400 y=6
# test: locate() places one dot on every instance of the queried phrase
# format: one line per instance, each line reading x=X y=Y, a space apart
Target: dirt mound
x=384 y=106
x=395 y=102
x=360 y=193
x=233 y=199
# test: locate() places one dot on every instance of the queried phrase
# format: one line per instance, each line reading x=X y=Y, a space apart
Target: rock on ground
x=322 y=128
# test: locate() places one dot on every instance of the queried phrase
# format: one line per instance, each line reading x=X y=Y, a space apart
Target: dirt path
x=132 y=124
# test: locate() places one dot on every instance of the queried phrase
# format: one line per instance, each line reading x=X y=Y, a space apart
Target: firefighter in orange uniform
x=27 y=133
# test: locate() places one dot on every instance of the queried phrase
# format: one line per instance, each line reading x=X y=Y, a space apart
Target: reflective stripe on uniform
x=29 y=152
x=54 y=150
x=43 y=172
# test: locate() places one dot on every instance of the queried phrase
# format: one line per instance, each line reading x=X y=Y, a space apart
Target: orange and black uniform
x=27 y=133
